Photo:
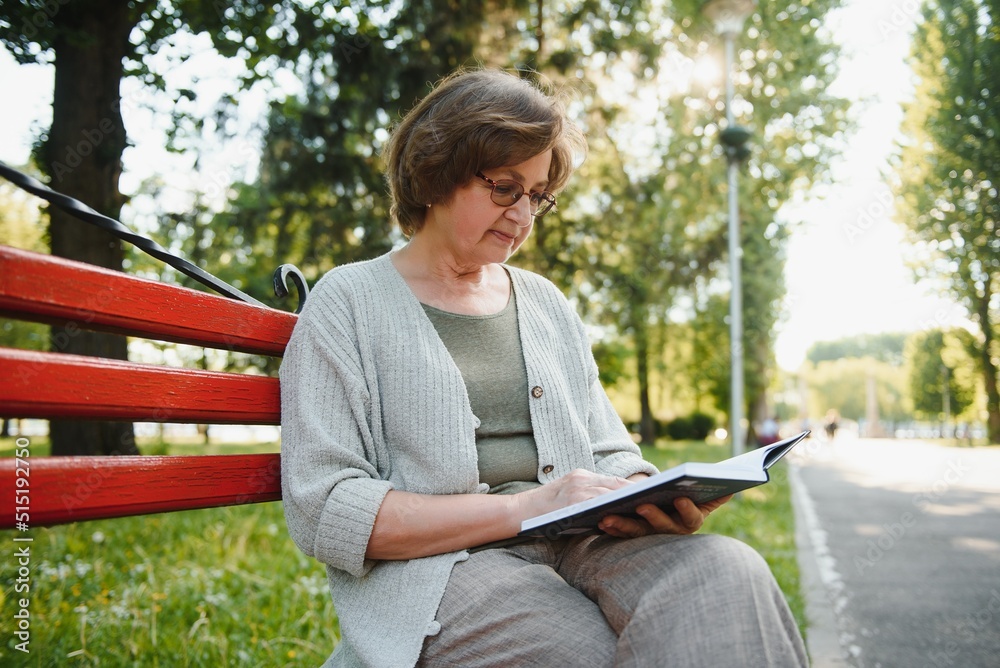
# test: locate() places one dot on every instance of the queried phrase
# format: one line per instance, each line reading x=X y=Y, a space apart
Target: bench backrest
x=75 y=296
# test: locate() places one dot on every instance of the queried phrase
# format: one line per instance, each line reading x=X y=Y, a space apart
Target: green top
x=487 y=350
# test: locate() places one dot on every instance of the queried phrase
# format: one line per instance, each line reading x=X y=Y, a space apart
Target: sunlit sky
x=846 y=270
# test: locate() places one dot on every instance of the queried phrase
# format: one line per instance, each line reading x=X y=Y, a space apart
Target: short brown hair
x=473 y=121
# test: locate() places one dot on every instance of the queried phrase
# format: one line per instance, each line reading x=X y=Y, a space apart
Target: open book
x=699 y=482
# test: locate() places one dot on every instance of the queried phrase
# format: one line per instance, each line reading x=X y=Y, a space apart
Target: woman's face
x=476 y=231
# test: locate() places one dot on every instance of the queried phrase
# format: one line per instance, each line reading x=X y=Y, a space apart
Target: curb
x=822 y=635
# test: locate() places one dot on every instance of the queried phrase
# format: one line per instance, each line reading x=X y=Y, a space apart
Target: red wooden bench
x=73 y=296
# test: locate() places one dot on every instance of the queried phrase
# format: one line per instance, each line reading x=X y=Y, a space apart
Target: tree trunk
x=757 y=411
x=83 y=156
x=647 y=425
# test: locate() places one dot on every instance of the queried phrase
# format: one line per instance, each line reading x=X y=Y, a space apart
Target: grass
x=218 y=587
x=227 y=587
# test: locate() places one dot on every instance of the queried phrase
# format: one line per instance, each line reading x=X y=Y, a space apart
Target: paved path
x=900 y=552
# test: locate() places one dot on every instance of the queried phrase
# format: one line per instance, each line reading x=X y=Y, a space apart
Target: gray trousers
x=700 y=600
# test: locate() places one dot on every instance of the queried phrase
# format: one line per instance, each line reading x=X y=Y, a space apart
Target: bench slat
x=44 y=288
x=48 y=385
x=72 y=489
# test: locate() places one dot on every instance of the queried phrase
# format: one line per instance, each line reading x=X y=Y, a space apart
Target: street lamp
x=729 y=17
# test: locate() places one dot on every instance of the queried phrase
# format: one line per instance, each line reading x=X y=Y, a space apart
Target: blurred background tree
x=886 y=347
x=948 y=170
x=639 y=240
x=843 y=385
x=928 y=375
x=642 y=226
x=941 y=373
x=95 y=45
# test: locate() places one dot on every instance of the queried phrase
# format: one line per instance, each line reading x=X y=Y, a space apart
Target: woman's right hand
x=576 y=486
x=410 y=525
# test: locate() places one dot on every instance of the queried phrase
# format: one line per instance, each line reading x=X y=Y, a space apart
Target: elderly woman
x=435 y=397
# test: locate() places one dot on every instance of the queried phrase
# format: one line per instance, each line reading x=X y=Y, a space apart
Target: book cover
x=698 y=481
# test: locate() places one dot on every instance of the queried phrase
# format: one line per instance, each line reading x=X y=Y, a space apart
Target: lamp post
x=729 y=17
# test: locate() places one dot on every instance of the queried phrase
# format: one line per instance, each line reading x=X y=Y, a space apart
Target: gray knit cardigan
x=372 y=401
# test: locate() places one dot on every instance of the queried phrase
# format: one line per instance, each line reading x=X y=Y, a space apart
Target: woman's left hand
x=689 y=518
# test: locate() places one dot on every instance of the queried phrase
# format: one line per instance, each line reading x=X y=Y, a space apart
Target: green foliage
x=886 y=347
x=220 y=587
x=612 y=357
x=948 y=169
x=20 y=218
x=319 y=198
x=709 y=366
x=796 y=121
x=702 y=425
x=643 y=230
x=843 y=385
x=24 y=335
x=694 y=427
x=640 y=241
x=20 y=228
x=909 y=372
x=939 y=360
x=319 y=201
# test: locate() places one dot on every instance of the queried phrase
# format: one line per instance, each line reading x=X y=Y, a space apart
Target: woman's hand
x=688 y=520
x=580 y=485
x=576 y=486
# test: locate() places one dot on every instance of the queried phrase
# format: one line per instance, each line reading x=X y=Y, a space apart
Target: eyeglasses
x=507 y=193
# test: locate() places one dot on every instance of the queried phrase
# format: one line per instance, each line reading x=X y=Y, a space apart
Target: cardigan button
x=536 y=392
x=549 y=468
